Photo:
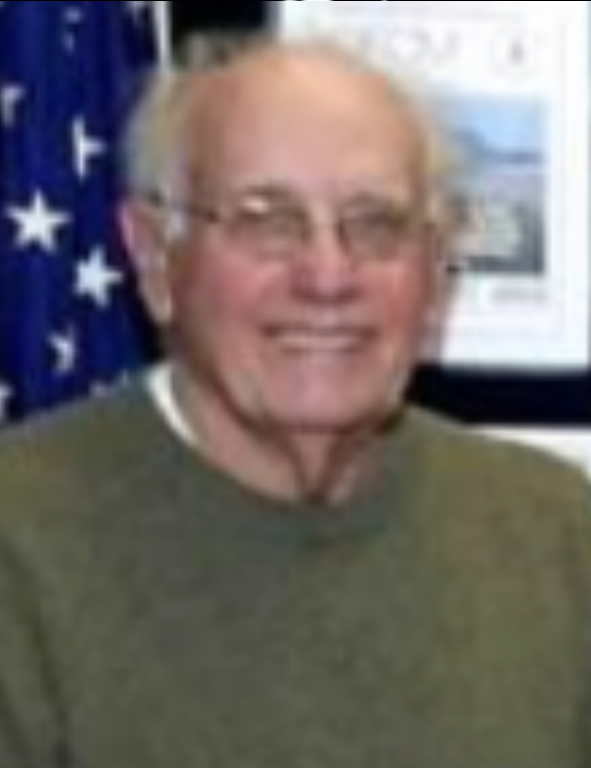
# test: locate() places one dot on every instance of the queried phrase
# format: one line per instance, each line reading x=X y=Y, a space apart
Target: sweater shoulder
x=490 y=470
x=73 y=456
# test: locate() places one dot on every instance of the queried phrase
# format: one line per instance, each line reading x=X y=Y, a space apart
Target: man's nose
x=324 y=269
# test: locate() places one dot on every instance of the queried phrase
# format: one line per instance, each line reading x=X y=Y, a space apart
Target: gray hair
x=153 y=145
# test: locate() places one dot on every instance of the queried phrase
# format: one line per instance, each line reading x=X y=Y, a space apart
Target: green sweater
x=156 y=614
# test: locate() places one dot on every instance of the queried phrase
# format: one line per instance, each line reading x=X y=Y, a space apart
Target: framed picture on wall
x=512 y=83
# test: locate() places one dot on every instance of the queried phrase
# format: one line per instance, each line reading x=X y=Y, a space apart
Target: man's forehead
x=271 y=98
x=300 y=69
x=276 y=78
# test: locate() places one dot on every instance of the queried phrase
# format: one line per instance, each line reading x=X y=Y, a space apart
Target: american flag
x=70 y=322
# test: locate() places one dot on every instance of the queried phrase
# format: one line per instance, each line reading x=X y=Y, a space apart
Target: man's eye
x=267 y=220
x=386 y=224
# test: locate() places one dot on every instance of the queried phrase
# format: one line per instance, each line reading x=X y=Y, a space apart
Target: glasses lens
x=266 y=226
x=378 y=230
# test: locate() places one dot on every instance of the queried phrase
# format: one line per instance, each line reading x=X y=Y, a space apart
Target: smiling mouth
x=321 y=340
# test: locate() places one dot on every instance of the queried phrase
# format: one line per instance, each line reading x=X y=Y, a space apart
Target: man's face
x=291 y=312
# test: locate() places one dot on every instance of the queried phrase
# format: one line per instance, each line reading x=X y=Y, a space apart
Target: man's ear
x=147 y=248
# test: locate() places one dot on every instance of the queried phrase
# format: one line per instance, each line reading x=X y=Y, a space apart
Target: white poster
x=512 y=81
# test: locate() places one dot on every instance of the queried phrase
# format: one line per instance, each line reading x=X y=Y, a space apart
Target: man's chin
x=326 y=421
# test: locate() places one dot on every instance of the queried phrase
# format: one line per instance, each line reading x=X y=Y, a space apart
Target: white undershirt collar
x=159 y=384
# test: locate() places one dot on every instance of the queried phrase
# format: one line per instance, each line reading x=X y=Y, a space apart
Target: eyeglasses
x=279 y=226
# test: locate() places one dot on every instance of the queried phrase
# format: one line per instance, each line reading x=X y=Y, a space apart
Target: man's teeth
x=322 y=340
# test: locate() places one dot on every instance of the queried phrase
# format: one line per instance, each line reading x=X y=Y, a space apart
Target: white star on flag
x=85 y=147
x=37 y=223
x=73 y=19
x=95 y=278
x=5 y=395
x=11 y=96
x=65 y=351
x=73 y=15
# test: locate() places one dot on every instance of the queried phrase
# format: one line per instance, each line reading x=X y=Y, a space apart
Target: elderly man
x=259 y=555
